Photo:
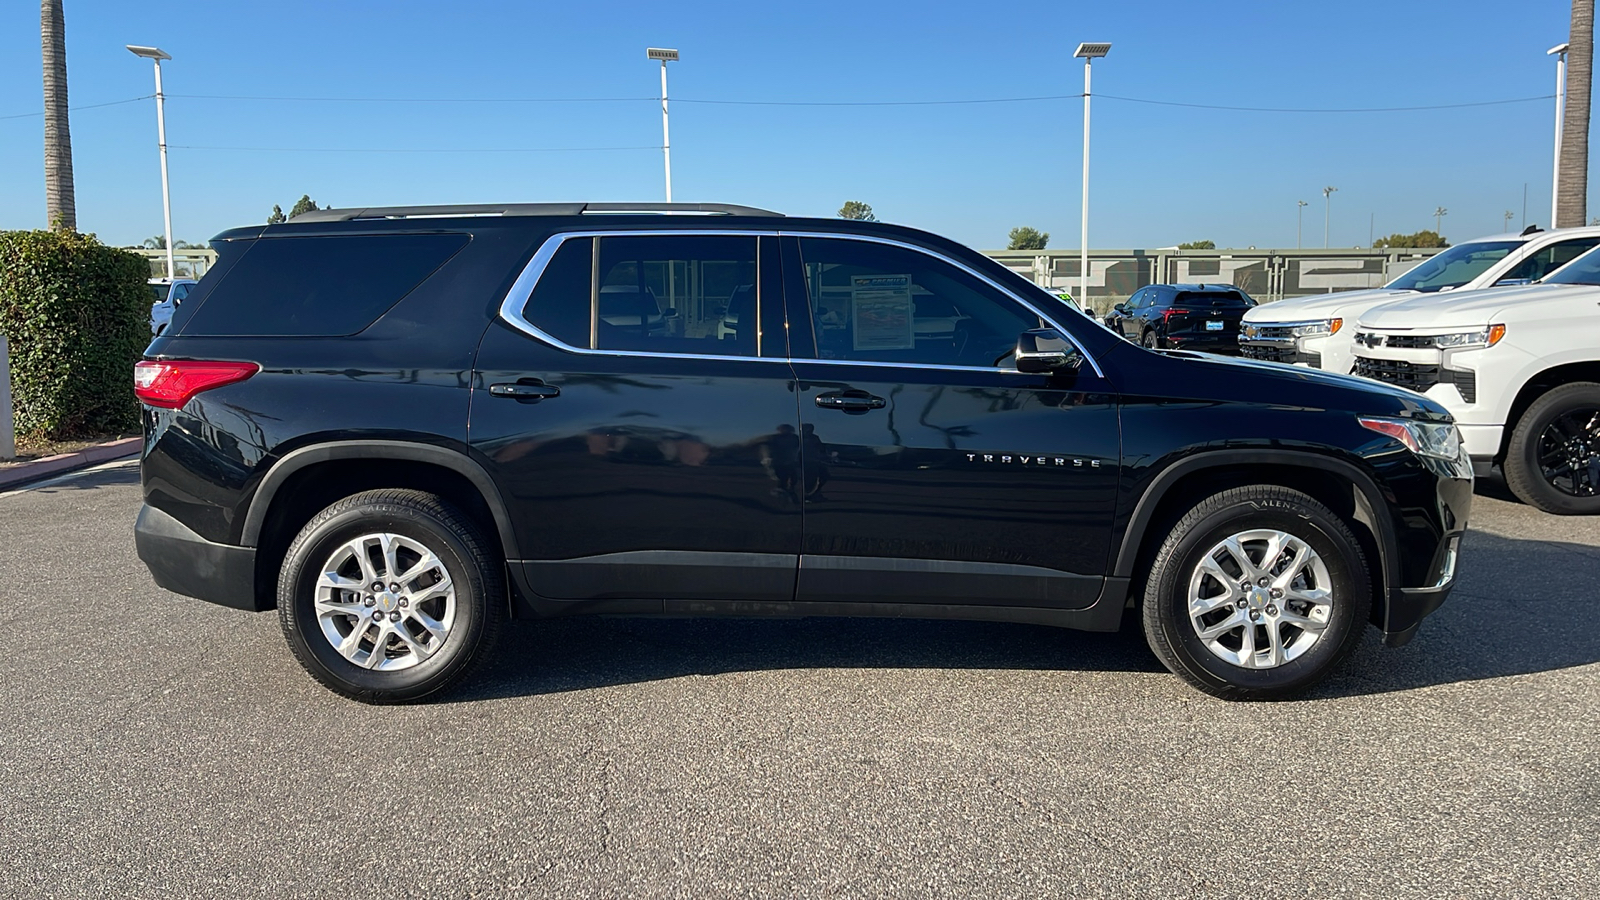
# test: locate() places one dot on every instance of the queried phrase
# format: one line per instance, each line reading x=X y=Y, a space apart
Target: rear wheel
x=389 y=596
x=1256 y=594
x=1553 y=459
x=1149 y=340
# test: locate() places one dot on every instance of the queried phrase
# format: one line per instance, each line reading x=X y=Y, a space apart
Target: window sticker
x=880 y=307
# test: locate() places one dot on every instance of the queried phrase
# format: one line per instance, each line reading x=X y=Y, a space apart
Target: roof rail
x=528 y=209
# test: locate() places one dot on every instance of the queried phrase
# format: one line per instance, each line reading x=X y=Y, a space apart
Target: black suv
x=401 y=426
x=1183 y=317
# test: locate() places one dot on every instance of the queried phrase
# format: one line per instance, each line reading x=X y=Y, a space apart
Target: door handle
x=852 y=401
x=529 y=389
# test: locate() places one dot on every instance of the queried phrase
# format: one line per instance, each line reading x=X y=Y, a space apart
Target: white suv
x=1318 y=331
x=1518 y=367
x=168 y=294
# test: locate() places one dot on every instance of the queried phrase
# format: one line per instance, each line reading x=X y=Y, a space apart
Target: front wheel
x=1256 y=594
x=1553 y=459
x=389 y=596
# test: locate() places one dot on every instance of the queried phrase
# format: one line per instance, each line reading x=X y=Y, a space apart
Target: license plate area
x=1213 y=326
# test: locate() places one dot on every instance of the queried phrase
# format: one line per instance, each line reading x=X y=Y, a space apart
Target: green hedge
x=77 y=316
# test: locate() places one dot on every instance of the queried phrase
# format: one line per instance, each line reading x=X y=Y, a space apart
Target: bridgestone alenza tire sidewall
x=1166 y=597
x=366 y=514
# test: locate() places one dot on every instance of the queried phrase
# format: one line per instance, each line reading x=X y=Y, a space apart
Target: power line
x=412 y=149
x=76 y=108
x=417 y=99
x=876 y=102
x=1363 y=109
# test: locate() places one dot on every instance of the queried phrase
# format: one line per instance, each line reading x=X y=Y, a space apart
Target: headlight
x=1317 y=329
x=1482 y=337
x=1440 y=440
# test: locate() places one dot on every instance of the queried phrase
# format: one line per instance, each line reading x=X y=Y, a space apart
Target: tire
x=1564 y=424
x=1149 y=341
x=1301 y=657
x=427 y=637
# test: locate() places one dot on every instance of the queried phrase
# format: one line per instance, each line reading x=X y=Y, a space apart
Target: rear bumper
x=186 y=563
x=1225 y=344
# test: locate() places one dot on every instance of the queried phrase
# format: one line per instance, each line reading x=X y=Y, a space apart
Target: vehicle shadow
x=1513 y=613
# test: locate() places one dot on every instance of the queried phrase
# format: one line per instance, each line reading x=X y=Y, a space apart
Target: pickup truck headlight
x=1440 y=440
x=1482 y=337
x=1316 y=329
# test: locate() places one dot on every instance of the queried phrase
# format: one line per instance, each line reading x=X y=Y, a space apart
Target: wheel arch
x=311 y=478
x=1327 y=479
x=1536 y=386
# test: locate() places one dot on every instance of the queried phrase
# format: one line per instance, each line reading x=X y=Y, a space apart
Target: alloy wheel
x=1569 y=452
x=385 y=602
x=1260 y=598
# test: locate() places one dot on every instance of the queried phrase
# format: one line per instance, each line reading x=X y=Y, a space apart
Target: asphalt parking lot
x=155 y=746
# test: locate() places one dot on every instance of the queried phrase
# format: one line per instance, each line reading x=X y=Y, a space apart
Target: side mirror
x=1120 y=309
x=1089 y=311
x=671 y=313
x=1045 y=350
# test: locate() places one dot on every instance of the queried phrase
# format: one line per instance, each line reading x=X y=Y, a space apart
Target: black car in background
x=400 y=426
x=1183 y=317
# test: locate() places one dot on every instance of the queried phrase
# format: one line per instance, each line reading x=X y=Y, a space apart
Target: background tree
x=159 y=242
x=277 y=217
x=1422 y=238
x=1025 y=238
x=1198 y=245
x=1574 y=166
x=855 y=209
x=306 y=204
x=60 y=202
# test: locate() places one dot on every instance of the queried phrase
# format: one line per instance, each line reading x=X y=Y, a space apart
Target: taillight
x=170 y=384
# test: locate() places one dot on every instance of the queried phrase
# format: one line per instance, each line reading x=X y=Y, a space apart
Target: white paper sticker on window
x=881 y=311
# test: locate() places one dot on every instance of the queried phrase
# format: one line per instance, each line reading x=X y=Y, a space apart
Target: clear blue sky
x=1161 y=174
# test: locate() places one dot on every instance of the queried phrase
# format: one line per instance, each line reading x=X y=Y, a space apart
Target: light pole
x=1327 y=203
x=1088 y=53
x=1509 y=216
x=1299 y=220
x=1560 y=53
x=665 y=56
x=1439 y=213
x=157 y=55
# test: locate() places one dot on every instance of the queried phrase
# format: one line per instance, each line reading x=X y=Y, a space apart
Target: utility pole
x=1439 y=213
x=1327 y=204
x=1088 y=52
x=1299 y=220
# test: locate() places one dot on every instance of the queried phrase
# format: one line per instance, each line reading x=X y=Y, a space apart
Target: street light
x=1439 y=213
x=1327 y=203
x=1299 y=220
x=1087 y=52
x=665 y=56
x=1509 y=216
x=1560 y=53
x=157 y=55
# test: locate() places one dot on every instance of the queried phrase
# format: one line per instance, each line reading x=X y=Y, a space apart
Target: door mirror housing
x=1041 y=350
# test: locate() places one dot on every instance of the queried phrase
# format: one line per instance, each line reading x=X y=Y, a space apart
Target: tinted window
x=160 y=290
x=1548 y=260
x=1583 y=270
x=1454 y=267
x=690 y=294
x=327 y=286
x=559 y=304
x=878 y=303
x=1223 y=299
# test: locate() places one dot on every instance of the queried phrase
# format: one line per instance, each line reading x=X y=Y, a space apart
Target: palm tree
x=61 y=207
x=1574 y=188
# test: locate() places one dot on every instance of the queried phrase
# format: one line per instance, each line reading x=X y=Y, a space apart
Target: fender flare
x=1368 y=502
x=454 y=460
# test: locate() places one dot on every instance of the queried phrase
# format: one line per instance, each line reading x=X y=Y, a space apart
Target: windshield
x=1583 y=270
x=160 y=291
x=1454 y=267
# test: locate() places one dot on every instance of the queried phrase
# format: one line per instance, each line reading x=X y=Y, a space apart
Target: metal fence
x=1266 y=275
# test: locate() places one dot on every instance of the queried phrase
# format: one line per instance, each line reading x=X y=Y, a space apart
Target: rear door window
x=319 y=286
x=1548 y=260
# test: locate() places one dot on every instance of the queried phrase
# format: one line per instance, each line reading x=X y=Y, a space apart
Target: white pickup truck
x=1518 y=367
x=1318 y=331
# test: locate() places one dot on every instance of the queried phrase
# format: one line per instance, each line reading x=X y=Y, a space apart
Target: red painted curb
x=66 y=462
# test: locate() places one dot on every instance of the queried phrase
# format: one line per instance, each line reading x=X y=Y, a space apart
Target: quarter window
x=878 y=303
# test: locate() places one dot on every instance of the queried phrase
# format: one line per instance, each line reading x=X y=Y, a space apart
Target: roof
x=528 y=209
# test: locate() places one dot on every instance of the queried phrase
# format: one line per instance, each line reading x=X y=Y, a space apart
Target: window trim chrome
x=521 y=291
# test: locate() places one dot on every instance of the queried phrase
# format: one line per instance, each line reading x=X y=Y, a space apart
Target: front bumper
x=186 y=563
x=1430 y=519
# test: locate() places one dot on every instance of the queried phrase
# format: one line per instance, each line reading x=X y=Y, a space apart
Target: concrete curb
x=66 y=462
